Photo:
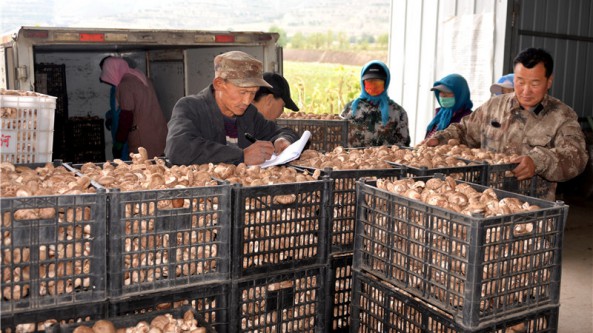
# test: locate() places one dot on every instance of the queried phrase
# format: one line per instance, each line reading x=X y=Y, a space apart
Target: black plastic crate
x=378 y=306
x=471 y=172
x=60 y=242
x=280 y=301
x=476 y=268
x=169 y=238
x=325 y=134
x=131 y=321
x=339 y=287
x=343 y=203
x=37 y=320
x=50 y=79
x=280 y=226
x=86 y=140
x=499 y=176
x=210 y=301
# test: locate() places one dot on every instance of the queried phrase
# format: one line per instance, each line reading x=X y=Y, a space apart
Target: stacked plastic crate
x=53 y=248
x=419 y=267
x=342 y=204
x=168 y=245
x=27 y=123
x=279 y=257
x=471 y=165
x=325 y=134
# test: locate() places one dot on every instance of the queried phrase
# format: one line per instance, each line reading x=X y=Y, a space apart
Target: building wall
x=421 y=38
x=565 y=29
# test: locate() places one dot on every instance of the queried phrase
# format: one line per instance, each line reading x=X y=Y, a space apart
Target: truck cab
x=64 y=62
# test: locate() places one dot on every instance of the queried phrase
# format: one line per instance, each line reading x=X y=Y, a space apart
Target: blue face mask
x=447 y=102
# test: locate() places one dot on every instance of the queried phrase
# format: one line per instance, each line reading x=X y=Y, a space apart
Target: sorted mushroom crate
x=339 y=287
x=39 y=320
x=184 y=319
x=470 y=250
x=345 y=167
x=169 y=226
x=474 y=165
x=325 y=134
x=209 y=301
x=53 y=238
x=280 y=301
x=279 y=226
x=426 y=161
x=378 y=306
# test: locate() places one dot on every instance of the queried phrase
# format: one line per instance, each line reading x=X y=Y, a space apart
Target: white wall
x=433 y=38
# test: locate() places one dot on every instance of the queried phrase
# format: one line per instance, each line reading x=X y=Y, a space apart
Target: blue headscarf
x=382 y=100
x=458 y=85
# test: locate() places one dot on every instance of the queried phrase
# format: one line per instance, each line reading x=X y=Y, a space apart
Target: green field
x=322 y=88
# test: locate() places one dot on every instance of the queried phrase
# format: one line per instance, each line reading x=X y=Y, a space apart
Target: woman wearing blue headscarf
x=452 y=94
x=375 y=119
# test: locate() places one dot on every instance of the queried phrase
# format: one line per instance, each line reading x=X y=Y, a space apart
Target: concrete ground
x=576 y=293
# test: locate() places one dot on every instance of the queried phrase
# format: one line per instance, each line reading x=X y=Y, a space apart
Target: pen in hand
x=250 y=137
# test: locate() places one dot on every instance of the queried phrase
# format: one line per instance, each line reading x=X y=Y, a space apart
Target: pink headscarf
x=114 y=70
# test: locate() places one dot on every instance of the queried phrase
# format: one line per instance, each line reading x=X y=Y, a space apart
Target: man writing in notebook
x=211 y=126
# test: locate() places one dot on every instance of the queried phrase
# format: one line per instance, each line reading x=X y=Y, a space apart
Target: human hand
x=525 y=169
x=281 y=144
x=258 y=152
x=431 y=142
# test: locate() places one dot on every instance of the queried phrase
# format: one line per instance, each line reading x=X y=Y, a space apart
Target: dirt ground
x=336 y=57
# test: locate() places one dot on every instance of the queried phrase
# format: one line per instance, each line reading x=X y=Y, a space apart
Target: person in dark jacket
x=453 y=96
x=270 y=102
x=218 y=124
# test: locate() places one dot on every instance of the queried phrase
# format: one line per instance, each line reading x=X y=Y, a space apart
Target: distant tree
x=343 y=42
x=298 y=41
x=317 y=41
x=383 y=41
x=329 y=40
x=368 y=38
x=283 y=39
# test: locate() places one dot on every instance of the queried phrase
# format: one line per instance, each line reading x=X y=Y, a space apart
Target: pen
x=250 y=137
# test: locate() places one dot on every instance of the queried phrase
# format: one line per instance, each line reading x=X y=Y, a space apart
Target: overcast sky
x=355 y=16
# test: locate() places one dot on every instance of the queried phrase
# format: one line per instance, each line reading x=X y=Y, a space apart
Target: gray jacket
x=197 y=136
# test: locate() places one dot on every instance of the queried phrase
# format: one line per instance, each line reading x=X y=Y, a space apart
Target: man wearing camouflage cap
x=213 y=126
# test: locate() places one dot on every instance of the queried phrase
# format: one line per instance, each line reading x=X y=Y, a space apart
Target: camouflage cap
x=240 y=69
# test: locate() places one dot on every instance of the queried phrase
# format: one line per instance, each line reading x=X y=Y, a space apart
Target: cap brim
x=373 y=76
x=254 y=82
x=290 y=104
x=496 y=88
x=441 y=87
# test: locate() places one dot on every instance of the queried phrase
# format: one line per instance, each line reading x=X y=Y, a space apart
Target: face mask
x=447 y=102
x=374 y=87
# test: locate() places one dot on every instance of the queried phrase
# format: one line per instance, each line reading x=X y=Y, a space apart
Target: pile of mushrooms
x=160 y=324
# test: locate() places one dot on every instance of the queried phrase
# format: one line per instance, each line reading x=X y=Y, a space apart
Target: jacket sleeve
x=467 y=131
x=568 y=156
x=347 y=112
x=194 y=137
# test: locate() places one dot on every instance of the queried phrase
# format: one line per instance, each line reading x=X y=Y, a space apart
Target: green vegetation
x=331 y=41
x=322 y=88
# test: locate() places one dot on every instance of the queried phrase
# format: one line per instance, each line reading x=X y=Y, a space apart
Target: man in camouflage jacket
x=374 y=119
x=528 y=122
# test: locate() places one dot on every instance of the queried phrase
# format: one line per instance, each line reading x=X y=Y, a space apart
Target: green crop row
x=322 y=88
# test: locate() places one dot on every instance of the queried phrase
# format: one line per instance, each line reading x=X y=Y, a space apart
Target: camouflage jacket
x=553 y=138
x=366 y=128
